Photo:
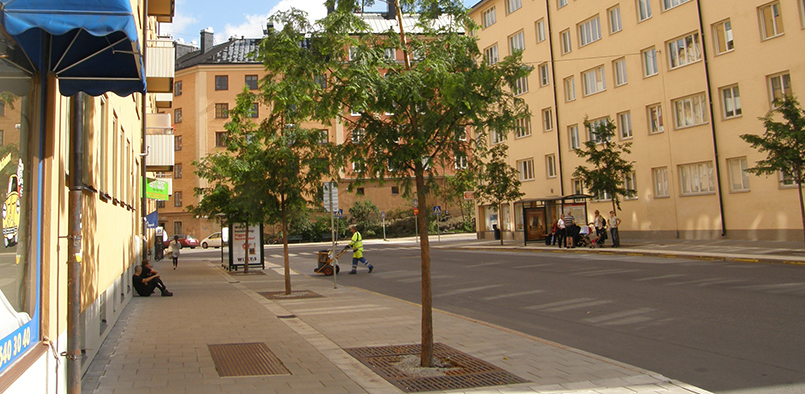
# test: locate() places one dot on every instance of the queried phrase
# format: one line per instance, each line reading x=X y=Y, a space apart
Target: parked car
x=187 y=241
x=214 y=240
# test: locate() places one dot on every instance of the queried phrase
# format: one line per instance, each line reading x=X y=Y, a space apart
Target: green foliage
x=609 y=169
x=365 y=215
x=453 y=193
x=499 y=182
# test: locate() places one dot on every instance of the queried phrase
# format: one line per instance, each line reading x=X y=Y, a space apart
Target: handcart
x=326 y=263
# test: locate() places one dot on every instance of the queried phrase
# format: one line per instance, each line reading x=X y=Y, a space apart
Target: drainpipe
x=143 y=200
x=712 y=123
x=555 y=102
x=74 y=353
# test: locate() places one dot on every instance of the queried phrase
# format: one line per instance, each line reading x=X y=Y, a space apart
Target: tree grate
x=245 y=359
x=465 y=371
x=295 y=295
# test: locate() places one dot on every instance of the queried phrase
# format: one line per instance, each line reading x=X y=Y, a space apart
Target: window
x=630 y=184
x=593 y=126
x=390 y=54
x=497 y=137
x=523 y=128
x=540 y=26
x=567 y=46
x=2 y=109
x=619 y=67
x=358 y=135
x=668 y=4
x=320 y=80
x=602 y=196
x=221 y=82
x=520 y=86
x=802 y=12
x=220 y=139
x=650 y=62
x=771 y=21
x=461 y=161
x=722 y=37
x=160 y=204
x=696 y=178
x=355 y=112
x=739 y=178
x=786 y=180
x=615 y=24
x=547 y=119
x=395 y=190
x=660 y=176
x=177 y=199
x=177 y=88
x=625 y=124
x=655 y=124
x=731 y=102
x=779 y=86
x=643 y=10
x=324 y=136
x=684 y=51
x=491 y=54
x=251 y=82
x=550 y=166
x=526 y=168
x=221 y=111
x=578 y=186
x=255 y=111
x=177 y=115
x=353 y=53
x=358 y=166
x=516 y=42
x=561 y=3
x=178 y=228
x=544 y=75
x=690 y=111
x=513 y=5
x=594 y=81
x=570 y=89
x=360 y=191
x=489 y=17
x=177 y=171
x=177 y=142
x=573 y=136
x=589 y=31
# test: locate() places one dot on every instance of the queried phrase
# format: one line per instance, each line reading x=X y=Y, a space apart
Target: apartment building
x=78 y=83
x=681 y=79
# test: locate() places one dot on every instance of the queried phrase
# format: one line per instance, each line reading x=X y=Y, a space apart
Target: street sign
x=416 y=211
x=339 y=213
x=437 y=210
x=469 y=195
x=383 y=215
x=415 y=202
x=330 y=195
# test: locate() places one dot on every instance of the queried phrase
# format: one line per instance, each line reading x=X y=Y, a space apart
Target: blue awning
x=90 y=45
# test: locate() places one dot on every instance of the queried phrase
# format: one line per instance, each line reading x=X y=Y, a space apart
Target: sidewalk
x=160 y=345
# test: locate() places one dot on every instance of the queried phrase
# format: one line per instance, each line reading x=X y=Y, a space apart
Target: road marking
x=618 y=315
x=484 y=264
x=463 y=291
x=705 y=282
x=419 y=278
x=605 y=272
x=568 y=304
x=659 y=277
x=577 y=306
x=522 y=293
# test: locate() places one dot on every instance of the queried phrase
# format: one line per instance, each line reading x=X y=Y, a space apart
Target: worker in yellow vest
x=357 y=250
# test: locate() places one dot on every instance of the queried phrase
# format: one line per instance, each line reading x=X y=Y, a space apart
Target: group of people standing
x=566 y=231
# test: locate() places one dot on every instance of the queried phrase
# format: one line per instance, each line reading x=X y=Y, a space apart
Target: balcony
x=160 y=65
x=159 y=142
x=163 y=100
x=162 y=9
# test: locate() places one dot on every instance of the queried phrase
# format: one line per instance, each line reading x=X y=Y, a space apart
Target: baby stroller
x=598 y=241
x=584 y=237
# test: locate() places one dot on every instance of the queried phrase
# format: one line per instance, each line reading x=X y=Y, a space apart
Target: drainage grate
x=465 y=372
x=251 y=272
x=295 y=295
x=245 y=359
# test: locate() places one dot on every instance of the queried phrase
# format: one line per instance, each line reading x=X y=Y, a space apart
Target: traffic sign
x=339 y=213
x=416 y=211
x=383 y=215
x=437 y=210
x=330 y=195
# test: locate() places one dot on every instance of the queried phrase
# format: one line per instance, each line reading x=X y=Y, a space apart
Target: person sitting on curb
x=357 y=250
x=146 y=280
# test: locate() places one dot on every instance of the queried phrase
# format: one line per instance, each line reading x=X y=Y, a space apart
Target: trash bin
x=497 y=231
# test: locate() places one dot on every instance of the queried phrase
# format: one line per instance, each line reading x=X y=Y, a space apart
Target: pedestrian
x=570 y=236
x=560 y=232
x=600 y=224
x=554 y=229
x=357 y=250
x=174 y=247
x=614 y=222
x=145 y=280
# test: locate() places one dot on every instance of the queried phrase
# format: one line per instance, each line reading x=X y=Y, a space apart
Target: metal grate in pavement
x=295 y=295
x=241 y=273
x=465 y=371
x=245 y=359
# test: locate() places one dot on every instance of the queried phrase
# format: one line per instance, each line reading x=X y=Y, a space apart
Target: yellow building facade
x=681 y=79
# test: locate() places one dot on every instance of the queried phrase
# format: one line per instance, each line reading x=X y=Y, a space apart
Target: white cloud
x=181 y=22
x=254 y=24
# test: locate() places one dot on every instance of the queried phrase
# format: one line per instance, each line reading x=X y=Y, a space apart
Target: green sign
x=156 y=189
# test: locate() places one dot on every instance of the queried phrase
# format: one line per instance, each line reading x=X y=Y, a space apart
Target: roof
x=234 y=51
x=379 y=24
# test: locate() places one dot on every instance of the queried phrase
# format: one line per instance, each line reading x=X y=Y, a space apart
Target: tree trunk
x=427 y=299
x=801 y=207
x=500 y=221
x=285 y=249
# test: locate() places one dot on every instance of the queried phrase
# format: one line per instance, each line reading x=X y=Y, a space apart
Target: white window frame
x=578 y=186
x=784 y=81
x=739 y=177
x=615 y=21
x=461 y=161
x=573 y=137
x=723 y=40
x=523 y=128
x=491 y=54
x=547 y=119
x=593 y=124
x=625 y=125
x=684 y=51
x=544 y=74
x=696 y=178
x=358 y=135
x=520 y=86
x=660 y=176
x=567 y=43
x=526 y=169
x=619 y=68
x=594 y=81
x=801 y=4
x=488 y=17
x=497 y=137
x=561 y=3
x=513 y=5
x=540 y=27
x=353 y=53
x=669 y=4
x=643 y=10
x=650 y=63
x=730 y=102
x=589 y=31
x=630 y=183
x=516 y=42
x=550 y=165
x=786 y=180
x=570 y=89
x=656 y=124
x=390 y=54
x=776 y=29
x=690 y=111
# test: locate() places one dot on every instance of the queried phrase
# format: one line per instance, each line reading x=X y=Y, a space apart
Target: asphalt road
x=721 y=326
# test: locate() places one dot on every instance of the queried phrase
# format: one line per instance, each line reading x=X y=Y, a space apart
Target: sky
x=229 y=18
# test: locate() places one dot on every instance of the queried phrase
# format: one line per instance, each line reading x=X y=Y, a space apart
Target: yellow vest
x=357 y=245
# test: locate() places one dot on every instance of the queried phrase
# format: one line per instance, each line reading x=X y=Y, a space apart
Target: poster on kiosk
x=246 y=237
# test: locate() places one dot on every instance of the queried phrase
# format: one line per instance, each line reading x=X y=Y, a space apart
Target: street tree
x=784 y=145
x=414 y=116
x=465 y=180
x=607 y=172
x=499 y=182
